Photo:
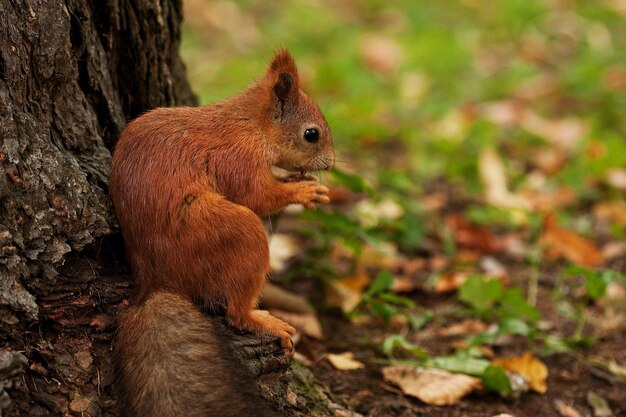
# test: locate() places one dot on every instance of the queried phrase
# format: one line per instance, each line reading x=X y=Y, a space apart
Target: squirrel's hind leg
x=243 y=261
x=244 y=316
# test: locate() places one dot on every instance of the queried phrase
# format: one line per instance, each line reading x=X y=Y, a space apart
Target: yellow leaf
x=344 y=361
x=432 y=386
x=532 y=369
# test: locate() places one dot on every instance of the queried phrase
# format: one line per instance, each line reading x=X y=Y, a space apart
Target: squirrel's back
x=171 y=363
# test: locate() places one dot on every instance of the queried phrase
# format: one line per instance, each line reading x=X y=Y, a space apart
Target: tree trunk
x=71 y=73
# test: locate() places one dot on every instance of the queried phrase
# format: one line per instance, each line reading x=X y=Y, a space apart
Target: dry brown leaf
x=465 y=327
x=614 y=78
x=613 y=250
x=283 y=247
x=380 y=54
x=559 y=242
x=403 y=285
x=344 y=361
x=339 y=195
x=493 y=178
x=565 y=410
x=532 y=369
x=549 y=160
x=411 y=266
x=504 y=112
x=543 y=201
x=613 y=211
x=493 y=268
x=432 y=386
x=275 y=297
x=564 y=133
x=413 y=88
x=371 y=214
x=467 y=235
x=306 y=323
x=450 y=282
x=434 y=202
x=616 y=178
x=346 y=293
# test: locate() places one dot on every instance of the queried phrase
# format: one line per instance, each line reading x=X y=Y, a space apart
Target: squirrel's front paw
x=310 y=193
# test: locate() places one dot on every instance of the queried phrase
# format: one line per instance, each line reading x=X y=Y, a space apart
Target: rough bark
x=71 y=73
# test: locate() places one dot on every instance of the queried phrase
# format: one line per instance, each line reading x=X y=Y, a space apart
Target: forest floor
x=473 y=260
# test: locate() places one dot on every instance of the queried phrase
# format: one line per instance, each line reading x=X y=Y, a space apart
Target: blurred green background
x=422 y=87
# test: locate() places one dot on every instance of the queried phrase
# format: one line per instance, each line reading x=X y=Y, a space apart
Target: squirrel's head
x=304 y=142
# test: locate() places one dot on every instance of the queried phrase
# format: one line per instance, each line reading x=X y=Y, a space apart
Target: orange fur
x=188 y=185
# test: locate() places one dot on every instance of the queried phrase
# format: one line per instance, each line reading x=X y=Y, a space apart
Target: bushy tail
x=171 y=363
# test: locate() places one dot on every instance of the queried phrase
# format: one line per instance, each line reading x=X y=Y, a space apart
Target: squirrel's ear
x=284 y=75
x=284 y=85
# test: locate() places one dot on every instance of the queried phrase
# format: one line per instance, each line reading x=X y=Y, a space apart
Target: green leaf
x=496 y=379
x=514 y=305
x=595 y=285
x=480 y=293
x=411 y=231
x=419 y=321
x=398 y=341
x=397 y=299
x=514 y=326
x=382 y=282
x=460 y=364
x=384 y=310
x=352 y=181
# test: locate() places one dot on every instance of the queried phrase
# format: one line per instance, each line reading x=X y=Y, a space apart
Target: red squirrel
x=188 y=185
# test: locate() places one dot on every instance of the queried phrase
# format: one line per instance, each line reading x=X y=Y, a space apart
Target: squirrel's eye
x=311 y=135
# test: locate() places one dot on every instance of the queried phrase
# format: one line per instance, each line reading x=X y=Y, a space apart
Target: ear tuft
x=284 y=85
x=283 y=62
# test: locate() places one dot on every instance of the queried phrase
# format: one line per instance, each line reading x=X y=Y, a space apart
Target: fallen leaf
x=468 y=235
x=306 y=323
x=564 y=133
x=611 y=211
x=299 y=357
x=339 y=195
x=275 y=297
x=504 y=112
x=344 y=361
x=542 y=200
x=532 y=369
x=613 y=250
x=493 y=178
x=434 y=202
x=549 y=160
x=453 y=126
x=616 y=178
x=614 y=78
x=494 y=268
x=465 y=327
x=432 y=386
x=101 y=322
x=283 y=247
x=413 y=88
x=599 y=404
x=565 y=410
x=403 y=285
x=450 y=281
x=559 y=242
x=370 y=214
x=346 y=293
x=380 y=54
